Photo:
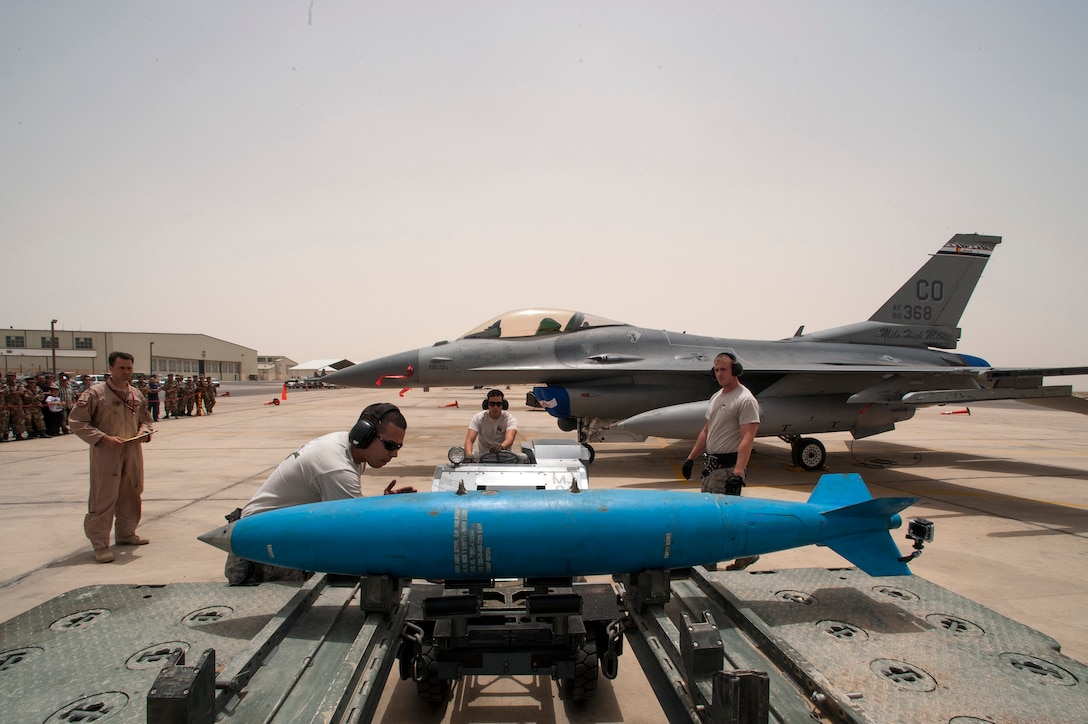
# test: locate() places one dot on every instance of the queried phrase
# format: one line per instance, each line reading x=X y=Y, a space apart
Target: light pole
x=53 y=344
x=151 y=359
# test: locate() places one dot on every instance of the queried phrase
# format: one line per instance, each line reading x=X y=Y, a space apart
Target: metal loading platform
x=838 y=645
x=791 y=645
x=274 y=652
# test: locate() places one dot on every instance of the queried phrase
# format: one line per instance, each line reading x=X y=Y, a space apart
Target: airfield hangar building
x=29 y=351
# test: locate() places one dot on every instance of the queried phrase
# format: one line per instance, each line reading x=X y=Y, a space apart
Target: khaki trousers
x=117 y=484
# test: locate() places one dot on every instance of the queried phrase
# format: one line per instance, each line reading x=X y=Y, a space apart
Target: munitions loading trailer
x=781 y=646
x=731 y=646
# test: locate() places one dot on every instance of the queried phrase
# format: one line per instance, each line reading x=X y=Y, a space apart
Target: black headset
x=370 y=419
x=738 y=368
x=505 y=404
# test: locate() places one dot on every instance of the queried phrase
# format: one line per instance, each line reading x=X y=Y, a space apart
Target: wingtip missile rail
x=523 y=534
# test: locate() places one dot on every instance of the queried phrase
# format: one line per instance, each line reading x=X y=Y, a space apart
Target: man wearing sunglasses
x=492 y=429
x=328 y=468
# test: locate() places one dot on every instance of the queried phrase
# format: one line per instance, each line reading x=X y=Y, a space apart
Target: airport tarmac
x=1007 y=487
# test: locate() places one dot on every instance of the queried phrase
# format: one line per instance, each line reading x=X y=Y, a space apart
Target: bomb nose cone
x=220 y=537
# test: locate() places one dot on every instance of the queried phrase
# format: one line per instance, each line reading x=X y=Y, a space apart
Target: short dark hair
x=394 y=418
x=496 y=392
x=390 y=416
x=114 y=356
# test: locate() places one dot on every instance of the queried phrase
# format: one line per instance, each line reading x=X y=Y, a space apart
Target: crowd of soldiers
x=38 y=406
x=181 y=396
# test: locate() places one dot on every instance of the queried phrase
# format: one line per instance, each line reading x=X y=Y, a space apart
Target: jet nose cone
x=398 y=369
x=220 y=537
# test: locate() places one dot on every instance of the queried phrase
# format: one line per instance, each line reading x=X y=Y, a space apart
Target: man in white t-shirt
x=493 y=429
x=727 y=437
x=328 y=468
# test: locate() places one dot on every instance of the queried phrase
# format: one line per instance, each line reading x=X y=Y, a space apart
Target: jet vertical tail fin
x=848 y=503
x=938 y=293
x=926 y=310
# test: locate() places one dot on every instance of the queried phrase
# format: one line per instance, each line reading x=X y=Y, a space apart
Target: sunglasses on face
x=389 y=444
x=491 y=403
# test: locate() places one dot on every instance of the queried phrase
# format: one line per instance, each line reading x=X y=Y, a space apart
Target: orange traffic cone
x=450 y=404
x=283 y=395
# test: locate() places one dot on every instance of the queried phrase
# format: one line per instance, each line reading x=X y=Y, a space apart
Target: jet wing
x=1044 y=396
x=684 y=365
x=1024 y=384
x=1014 y=372
x=911 y=384
x=1066 y=404
x=638 y=365
x=986 y=373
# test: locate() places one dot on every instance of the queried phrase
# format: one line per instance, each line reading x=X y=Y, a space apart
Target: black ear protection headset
x=505 y=404
x=738 y=368
x=366 y=429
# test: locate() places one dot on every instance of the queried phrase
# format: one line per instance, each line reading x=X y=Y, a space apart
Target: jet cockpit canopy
x=537 y=323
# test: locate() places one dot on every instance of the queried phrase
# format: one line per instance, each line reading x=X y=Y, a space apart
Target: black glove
x=733 y=484
x=686 y=468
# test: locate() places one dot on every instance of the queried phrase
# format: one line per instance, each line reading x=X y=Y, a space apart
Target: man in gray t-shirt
x=493 y=429
x=328 y=468
x=732 y=420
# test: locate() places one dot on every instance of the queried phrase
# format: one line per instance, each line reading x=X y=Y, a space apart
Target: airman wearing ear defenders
x=328 y=468
x=732 y=420
x=493 y=428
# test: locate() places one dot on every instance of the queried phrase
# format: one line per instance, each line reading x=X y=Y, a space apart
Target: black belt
x=724 y=459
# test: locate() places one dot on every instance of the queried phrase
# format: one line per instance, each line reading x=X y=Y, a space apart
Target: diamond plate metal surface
x=902 y=649
x=92 y=654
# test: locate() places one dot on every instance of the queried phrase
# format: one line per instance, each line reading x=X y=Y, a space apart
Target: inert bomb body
x=523 y=534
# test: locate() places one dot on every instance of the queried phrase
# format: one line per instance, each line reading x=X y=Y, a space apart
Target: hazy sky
x=349 y=179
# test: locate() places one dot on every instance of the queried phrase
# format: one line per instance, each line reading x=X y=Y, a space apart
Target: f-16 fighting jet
x=615 y=382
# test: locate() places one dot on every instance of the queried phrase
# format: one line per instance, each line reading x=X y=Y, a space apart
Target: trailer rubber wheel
x=583 y=686
x=429 y=687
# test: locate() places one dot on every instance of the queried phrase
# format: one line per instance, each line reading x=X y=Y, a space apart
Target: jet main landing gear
x=808 y=453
